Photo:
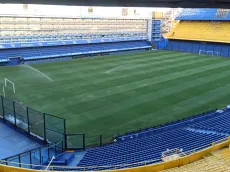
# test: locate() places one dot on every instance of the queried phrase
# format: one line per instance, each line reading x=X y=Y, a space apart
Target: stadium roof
x=131 y=3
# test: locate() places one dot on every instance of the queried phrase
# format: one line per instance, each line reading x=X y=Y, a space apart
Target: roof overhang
x=131 y=3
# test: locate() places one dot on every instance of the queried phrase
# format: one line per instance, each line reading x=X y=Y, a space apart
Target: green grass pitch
x=115 y=94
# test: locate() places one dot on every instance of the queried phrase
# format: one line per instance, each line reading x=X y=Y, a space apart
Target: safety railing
x=36 y=156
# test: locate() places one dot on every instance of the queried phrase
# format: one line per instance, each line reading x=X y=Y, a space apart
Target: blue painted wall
x=14 y=61
x=196 y=46
x=162 y=43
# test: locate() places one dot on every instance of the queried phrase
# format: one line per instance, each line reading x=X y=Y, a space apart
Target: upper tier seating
x=61 y=51
x=204 y=14
x=35 y=26
x=201 y=31
x=60 y=37
x=195 y=132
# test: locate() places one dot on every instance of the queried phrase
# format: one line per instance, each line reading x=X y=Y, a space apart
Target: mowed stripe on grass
x=140 y=90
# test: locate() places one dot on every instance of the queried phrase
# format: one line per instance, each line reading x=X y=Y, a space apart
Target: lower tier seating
x=147 y=146
x=3 y=59
x=218 y=124
x=71 y=50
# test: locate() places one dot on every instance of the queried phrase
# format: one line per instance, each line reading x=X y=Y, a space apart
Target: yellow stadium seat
x=208 y=164
x=213 y=31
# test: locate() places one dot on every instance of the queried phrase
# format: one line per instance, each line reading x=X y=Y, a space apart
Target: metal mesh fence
x=45 y=127
x=9 y=115
x=54 y=128
x=75 y=141
x=9 y=110
x=54 y=123
x=36 y=123
x=8 y=104
x=21 y=122
x=20 y=109
x=1 y=108
x=21 y=116
x=53 y=136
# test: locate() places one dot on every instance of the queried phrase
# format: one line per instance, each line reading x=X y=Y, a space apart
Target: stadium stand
x=225 y=155
x=70 y=28
x=147 y=146
x=210 y=163
x=139 y=148
x=204 y=14
x=215 y=162
x=34 y=38
x=61 y=51
x=4 y=59
x=201 y=29
x=145 y=149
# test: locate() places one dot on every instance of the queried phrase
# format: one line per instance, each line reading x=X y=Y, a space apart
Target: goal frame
x=3 y=90
x=210 y=53
x=7 y=80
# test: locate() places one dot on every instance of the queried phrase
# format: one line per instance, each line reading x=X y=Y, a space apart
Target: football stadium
x=144 y=90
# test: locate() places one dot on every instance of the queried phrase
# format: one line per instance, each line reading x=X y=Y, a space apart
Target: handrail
x=41 y=148
x=149 y=162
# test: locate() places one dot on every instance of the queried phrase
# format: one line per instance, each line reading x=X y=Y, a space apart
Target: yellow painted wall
x=4 y=168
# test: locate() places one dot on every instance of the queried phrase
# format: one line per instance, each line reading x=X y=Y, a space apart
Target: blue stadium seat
x=203 y=14
x=70 y=50
x=188 y=134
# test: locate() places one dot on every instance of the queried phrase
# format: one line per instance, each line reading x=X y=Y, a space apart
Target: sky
x=54 y=10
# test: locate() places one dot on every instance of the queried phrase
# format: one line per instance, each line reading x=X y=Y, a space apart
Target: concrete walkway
x=13 y=142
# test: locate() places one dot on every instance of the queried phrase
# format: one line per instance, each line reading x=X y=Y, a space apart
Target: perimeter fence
x=44 y=127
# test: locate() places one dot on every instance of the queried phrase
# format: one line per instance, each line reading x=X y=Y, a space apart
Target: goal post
x=7 y=80
x=3 y=91
x=202 y=52
x=216 y=53
x=209 y=53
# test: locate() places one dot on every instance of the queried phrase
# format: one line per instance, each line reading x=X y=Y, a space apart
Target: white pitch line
x=114 y=69
x=39 y=72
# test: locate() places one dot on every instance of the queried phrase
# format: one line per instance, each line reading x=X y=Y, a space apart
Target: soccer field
x=115 y=94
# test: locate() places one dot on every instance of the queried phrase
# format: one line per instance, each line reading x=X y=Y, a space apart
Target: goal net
x=209 y=53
